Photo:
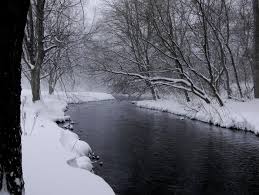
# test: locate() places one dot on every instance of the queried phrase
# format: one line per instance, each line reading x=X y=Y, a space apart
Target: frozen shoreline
x=47 y=148
x=237 y=115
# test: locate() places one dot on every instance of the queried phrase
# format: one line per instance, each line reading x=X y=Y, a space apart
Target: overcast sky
x=92 y=7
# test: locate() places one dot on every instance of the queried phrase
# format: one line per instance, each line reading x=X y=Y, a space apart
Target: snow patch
x=238 y=115
x=82 y=162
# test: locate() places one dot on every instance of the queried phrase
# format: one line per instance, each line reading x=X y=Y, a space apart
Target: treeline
x=52 y=43
x=197 y=48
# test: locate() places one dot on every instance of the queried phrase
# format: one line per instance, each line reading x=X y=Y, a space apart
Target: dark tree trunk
x=179 y=65
x=51 y=90
x=51 y=83
x=153 y=91
x=235 y=72
x=35 y=84
x=10 y=79
x=39 y=55
x=256 y=36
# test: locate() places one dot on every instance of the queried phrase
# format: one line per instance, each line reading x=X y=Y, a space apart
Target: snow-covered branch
x=49 y=48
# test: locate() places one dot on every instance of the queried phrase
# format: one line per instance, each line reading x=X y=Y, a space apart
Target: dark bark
x=256 y=63
x=51 y=90
x=231 y=53
x=235 y=71
x=179 y=66
x=153 y=93
x=35 y=84
x=51 y=83
x=152 y=90
x=35 y=46
x=10 y=79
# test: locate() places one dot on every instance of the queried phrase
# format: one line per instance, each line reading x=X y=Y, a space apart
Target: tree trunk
x=217 y=96
x=256 y=37
x=229 y=91
x=39 y=30
x=51 y=90
x=51 y=84
x=235 y=71
x=153 y=91
x=35 y=84
x=180 y=70
x=10 y=79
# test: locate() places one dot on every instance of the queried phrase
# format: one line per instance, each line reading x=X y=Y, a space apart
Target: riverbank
x=236 y=115
x=45 y=166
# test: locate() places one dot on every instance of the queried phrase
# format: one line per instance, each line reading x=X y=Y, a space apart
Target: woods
x=198 y=49
x=51 y=42
x=195 y=48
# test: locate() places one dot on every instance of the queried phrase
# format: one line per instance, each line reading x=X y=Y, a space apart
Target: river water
x=147 y=152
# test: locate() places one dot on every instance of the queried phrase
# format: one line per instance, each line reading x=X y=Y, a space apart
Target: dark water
x=147 y=152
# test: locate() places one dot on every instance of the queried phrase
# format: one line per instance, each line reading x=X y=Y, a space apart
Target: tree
x=256 y=37
x=10 y=79
x=136 y=29
x=194 y=47
x=51 y=34
x=34 y=51
x=63 y=32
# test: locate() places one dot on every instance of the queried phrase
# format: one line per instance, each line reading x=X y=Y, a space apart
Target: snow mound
x=82 y=148
x=72 y=143
x=68 y=139
x=84 y=162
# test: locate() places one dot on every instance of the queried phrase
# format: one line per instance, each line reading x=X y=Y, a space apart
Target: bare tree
x=52 y=36
x=131 y=19
x=34 y=51
x=198 y=47
x=64 y=31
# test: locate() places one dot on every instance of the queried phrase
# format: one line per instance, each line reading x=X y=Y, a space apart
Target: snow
x=238 y=115
x=3 y=192
x=55 y=160
x=84 y=162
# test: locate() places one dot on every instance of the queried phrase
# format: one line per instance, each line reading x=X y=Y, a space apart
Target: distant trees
x=256 y=37
x=11 y=173
x=51 y=36
x=65 y=35
x=195 y=47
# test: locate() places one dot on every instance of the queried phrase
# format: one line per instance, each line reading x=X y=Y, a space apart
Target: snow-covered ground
x=54 y=160
x=238 y=115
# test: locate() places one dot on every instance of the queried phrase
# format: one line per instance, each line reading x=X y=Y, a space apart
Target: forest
x=195 y=49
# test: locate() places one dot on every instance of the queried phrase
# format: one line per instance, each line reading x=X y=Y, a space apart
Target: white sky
x=92 y=7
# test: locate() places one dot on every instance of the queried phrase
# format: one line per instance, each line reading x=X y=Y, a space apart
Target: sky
x=92 y=8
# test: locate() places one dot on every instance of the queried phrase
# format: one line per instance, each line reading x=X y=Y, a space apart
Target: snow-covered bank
x=238 y=115
x=48 y=150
